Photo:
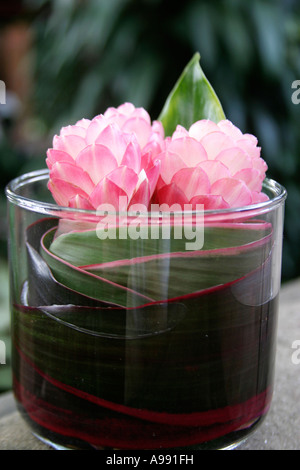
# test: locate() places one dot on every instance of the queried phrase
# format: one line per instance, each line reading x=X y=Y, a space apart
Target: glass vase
x=142 y=331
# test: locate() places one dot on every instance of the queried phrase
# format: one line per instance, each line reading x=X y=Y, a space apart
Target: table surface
x=280 y=430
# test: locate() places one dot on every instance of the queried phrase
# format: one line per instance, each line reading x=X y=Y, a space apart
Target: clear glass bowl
x=146 y=345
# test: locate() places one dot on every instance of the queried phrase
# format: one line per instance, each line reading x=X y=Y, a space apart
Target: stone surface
x=279 y=431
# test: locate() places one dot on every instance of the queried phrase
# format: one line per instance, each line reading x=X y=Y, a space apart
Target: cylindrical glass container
x=142 y=331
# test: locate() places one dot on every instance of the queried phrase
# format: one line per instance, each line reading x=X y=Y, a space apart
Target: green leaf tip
x=191 y=99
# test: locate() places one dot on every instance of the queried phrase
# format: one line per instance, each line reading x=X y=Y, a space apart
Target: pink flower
x=97 y=161
x=211 y=164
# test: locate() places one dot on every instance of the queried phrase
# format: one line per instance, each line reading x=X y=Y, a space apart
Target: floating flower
x=107 y=160
x=211 y=164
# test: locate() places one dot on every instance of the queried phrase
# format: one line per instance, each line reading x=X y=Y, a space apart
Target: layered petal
x=96 y=160
x=142 y=194
x=107 y=192
x=113 y=155
x=198 y=182
x=121 y=153
x=171 y=194
x=201 y=128
x=140 y=127
x=230 y=129
x=215 y=170
x=64 y=191
x=170 y=163
x=233 y=191
x=112 y=138
x=125 y=178
x=72 y=174
x=235 y=159
x=215 y=142
x=190 y=150
x=55 y=156
x=229 y=168
x=71 y=144
x=252 y=178
x=209 y=202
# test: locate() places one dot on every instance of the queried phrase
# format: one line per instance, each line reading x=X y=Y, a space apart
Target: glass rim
x=49 y=208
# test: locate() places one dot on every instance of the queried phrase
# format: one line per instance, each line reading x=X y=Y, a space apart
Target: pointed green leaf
x=191 y=99
x=127 y=272
x=88 y=284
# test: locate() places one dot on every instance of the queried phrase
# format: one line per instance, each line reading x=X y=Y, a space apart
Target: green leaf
x=127 y=272
x=88 y=284
x=191 y=99
x=83 y=248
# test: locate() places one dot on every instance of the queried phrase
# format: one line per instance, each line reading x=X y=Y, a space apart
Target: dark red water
x=201 y=377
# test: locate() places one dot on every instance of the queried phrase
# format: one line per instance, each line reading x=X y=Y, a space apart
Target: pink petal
x=192 y=181
x=126 y=111
x=64 y=191
x=142 y=195
x=170 y=194
x=97 y=161
x=234 y=192
x=234 y=159
x=107 y=192
x=230 y=129
x=260 y=165
x=215 y=170
x=215 y=142
x=132 y=157
x=140 y=127
x=146 y=159
x=190 y=151
x=54 y=156
x=258 y=197
x=170 y=164
x=140 y=113
x=209 y=201
x=158 y=129
x=83 y=123
x=113 y=115
x=115 y=140
x=251 y=177
x=96 y=126
x=180 y=132
x=151 y=151
x=160 y=183
x=71 y=144
x=125 y=178
x=153 y=175
x=73 y=130
x=201 y=128
x=70 y=173
x=249 y=147
x=251 y=138
x=80 y=202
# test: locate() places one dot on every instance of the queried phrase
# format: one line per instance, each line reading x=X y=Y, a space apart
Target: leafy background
x=82 y=56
